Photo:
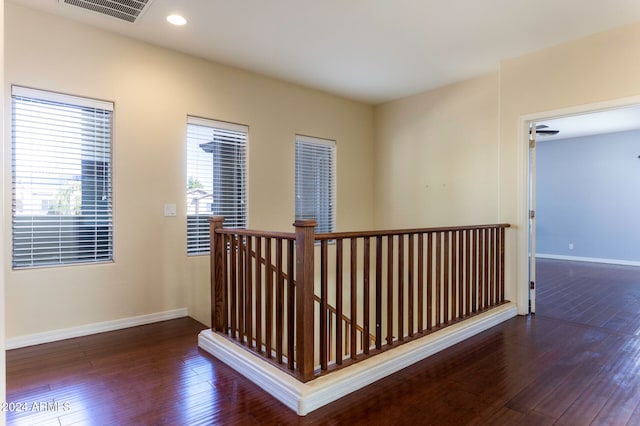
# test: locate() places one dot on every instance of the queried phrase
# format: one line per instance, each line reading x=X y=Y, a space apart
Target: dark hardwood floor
x=577 y=362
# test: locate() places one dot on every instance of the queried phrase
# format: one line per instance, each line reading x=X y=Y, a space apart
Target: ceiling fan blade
x=541 y=126
x=547 y=132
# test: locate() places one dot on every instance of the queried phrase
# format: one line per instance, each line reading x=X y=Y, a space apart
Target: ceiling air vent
x=125 y=10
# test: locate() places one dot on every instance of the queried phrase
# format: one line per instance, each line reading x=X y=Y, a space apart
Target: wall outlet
x=570 y=246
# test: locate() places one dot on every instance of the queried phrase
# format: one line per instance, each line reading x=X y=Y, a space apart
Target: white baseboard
x=588 y=259
x=85 y=330
x=304 y=398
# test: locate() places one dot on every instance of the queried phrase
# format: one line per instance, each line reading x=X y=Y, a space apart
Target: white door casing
x=532 y=217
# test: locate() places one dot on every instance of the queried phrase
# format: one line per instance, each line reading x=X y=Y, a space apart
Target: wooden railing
x=354 y=295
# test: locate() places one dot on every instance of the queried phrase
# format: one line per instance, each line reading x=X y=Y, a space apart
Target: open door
x=532 y=218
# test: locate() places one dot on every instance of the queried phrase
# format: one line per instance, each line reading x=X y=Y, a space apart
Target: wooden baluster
x=233 y=284
x=325 y=317
x=366 y=296
x=304 y=298
x=445 y=278
x=339 y=320
x=401 y=318
x=478 y=247
x=268 y=318
x=410 y=284
x=429 y=282
x=497 y=267
x=258 y=274
x=279 y=304
x=461 y=291
x=218 y=297
x=485 y=259
x=485 y=255
x=291 y=289
x=467 y=246
x=378 y=292
x=248 y=292
x=492 y=266
x=420 y=282
x=438 y=279
x=354 y=297
x=226 y=244
x=390 y=290
x=454 y=275
x=470 y=271
x=501 y=256
x=240 y=287
x=474 y=272
x=480 y=269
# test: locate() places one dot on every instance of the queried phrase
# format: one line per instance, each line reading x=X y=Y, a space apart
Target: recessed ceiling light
x=176 y=20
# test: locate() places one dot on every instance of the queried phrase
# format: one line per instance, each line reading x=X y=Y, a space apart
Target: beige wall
x=437 y=157
x=154 y=90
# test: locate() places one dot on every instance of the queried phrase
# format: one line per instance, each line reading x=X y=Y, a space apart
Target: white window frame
x=315 y=181
x=203 y=175
x=61 y=160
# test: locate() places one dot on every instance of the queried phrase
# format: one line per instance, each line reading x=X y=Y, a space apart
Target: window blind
x=216 y=178
x=61 y=179
x=315 y=181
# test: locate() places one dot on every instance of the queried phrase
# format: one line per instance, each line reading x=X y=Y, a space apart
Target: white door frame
x=532 y=216
x=522 y=152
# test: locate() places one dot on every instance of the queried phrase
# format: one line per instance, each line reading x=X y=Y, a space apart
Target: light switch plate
x=169 y=210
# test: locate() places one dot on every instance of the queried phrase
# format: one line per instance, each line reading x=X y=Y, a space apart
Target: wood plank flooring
x=577 y=362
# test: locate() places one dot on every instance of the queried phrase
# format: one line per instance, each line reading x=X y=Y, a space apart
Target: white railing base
x=304 y=398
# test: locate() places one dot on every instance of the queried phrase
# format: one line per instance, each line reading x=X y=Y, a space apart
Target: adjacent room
x=586 y=170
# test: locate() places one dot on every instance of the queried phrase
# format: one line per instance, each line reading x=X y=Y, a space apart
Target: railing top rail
x=362 y=234
x=255 y=233
x=355 y=234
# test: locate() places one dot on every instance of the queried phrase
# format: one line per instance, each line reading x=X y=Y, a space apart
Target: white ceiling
x=370 y=50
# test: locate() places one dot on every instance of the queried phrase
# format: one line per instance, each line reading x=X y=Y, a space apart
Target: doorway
x=581 y=168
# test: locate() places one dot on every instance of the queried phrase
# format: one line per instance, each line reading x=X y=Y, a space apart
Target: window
x=315 y=181
x=61 y=179
x=216 y=178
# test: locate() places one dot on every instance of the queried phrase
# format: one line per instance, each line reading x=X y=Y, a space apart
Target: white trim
x=582 y=109
x=304 y=398
x=46 y=95
x=99 y=327
x=224 y=125
x=588 y=259
x=522 y=222
x=315 y=140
